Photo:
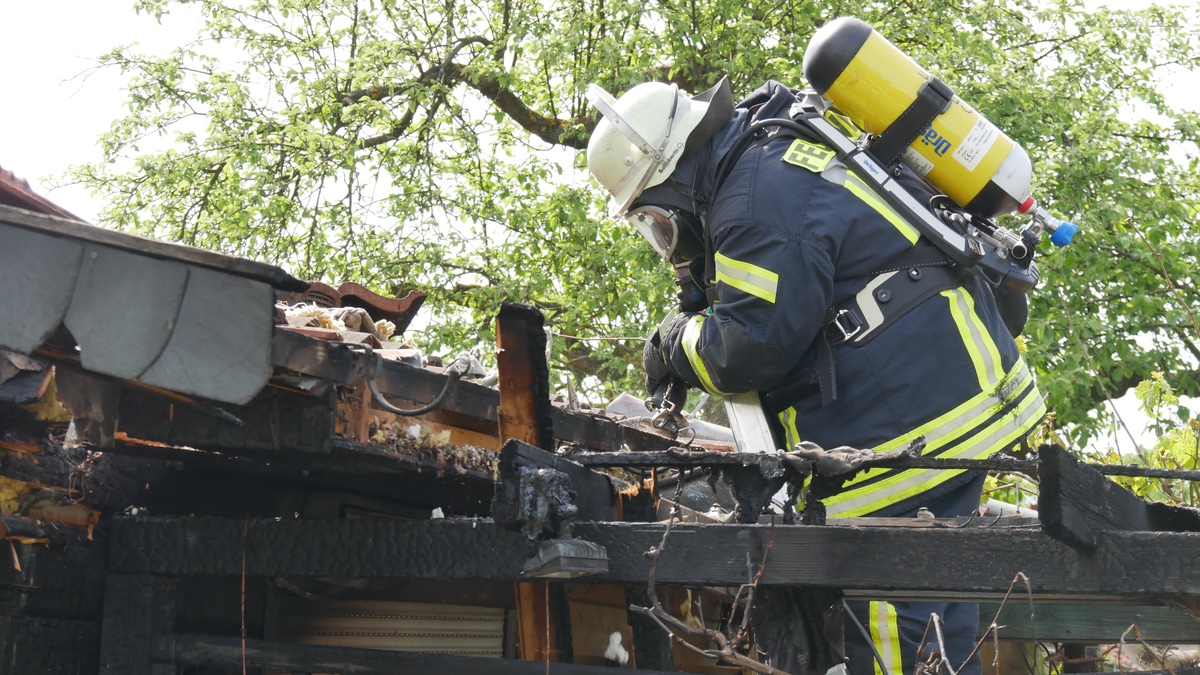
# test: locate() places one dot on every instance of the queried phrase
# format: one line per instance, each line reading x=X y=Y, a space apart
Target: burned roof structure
x=193 y=481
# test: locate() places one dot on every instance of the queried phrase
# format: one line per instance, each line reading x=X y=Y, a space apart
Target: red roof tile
x=16 y=192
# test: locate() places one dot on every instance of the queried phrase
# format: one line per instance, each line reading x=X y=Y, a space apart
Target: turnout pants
x=900 y=633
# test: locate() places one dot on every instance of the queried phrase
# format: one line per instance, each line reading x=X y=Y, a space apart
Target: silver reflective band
x=659 y=226
x=603 y=101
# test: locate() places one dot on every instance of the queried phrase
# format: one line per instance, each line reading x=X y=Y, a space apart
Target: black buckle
x=838 y=332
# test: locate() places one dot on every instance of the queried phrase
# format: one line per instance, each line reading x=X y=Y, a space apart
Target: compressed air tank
x=961 y=153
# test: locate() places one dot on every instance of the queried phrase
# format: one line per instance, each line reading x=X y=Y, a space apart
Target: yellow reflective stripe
x=808 y=155
x=859 y=189
x=885 y=633
x=980 y=346
x=787 y=419
x=1002 y=432
x=757 y=281
x=691 y=341
x=993 y=438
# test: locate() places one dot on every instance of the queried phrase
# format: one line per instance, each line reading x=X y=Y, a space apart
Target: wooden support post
x=525 y=415
x=525 y=410
x=137 y=607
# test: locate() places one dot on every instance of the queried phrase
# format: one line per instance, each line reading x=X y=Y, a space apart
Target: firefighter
x=779 y=241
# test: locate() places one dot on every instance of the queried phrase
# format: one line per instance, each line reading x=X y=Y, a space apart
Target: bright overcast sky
x=52 y=116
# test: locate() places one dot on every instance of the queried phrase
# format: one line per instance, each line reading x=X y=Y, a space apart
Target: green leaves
x=436 y=146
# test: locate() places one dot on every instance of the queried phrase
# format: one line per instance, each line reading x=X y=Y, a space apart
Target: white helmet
x=642 y=135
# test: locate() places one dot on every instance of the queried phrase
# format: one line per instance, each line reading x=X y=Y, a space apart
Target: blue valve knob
x=1063 y=234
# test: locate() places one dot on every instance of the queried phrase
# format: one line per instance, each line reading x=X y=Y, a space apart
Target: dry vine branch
x=993 y=630
x=726 y=648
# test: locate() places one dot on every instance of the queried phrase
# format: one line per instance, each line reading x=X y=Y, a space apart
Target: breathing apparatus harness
x=954 y=243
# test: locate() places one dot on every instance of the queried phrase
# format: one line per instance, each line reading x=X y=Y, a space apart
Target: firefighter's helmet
x=643 y=134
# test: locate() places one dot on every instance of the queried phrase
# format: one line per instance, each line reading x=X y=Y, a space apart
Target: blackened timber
x=681 y=457
x=600 y=433
x=1077 y=502
x=971 y=562
x=225 y=652
x=348 y=467
x=338 y=364
x=595 y=493
x=274 y=421
x=136 y=608
x=425 y=549
x=523 y=377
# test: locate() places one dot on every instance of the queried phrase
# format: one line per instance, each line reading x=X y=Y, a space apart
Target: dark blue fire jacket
x=793 y=236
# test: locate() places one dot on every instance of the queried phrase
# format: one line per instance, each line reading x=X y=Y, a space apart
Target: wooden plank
x=523 y=377
x=972 y=563
x=224 y=652
x=599 y=433
x=1076 y=502
x=524 y=417
x=470 y=405
x=1088 y=623
x=74 y=230
x=597 y=611
x=37 y=278
x=31 y=644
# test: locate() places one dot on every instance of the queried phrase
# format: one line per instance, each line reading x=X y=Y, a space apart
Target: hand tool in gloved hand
x=666 y=411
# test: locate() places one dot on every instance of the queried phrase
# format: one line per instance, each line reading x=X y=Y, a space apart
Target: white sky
x=52 y=113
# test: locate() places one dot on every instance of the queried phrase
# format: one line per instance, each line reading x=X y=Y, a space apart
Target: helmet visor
x=659 y=226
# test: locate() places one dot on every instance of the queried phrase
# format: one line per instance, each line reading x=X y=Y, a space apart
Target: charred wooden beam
x=596 y=495
x=469 y=405
x=417 y=482
x=35 y=644
x=273 y=422
x=1077 y=502
x=974 y=563
x=226 y=652
x=524 y=378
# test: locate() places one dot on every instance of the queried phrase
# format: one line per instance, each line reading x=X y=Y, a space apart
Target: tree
x=436 y=146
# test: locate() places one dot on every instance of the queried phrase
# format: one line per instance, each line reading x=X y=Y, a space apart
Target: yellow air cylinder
x=961 y=153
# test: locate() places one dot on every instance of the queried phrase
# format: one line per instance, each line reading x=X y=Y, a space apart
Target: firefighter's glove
x=661 y=380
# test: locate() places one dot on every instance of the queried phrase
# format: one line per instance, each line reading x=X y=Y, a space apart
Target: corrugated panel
x=399 y=626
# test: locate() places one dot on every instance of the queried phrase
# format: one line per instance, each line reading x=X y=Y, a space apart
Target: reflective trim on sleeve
x=989 y=422
x=757 y=281
x=885 y=633
x=859 y=189
x=691 y=341
x=980 y=346
x=787 y=419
